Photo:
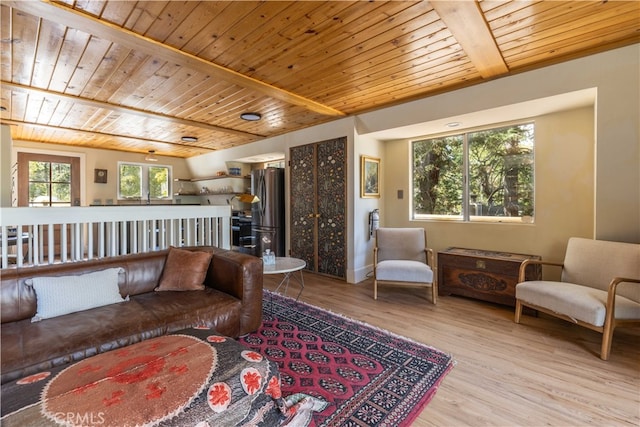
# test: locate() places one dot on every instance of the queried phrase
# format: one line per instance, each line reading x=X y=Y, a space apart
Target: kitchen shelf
x=229 y=186
x=211 y=178
x=208 y=194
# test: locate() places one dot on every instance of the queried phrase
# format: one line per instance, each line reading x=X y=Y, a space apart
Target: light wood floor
x=541 y=372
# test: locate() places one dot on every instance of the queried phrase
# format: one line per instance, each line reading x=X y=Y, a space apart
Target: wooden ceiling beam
x=64 y=15
x=135 y=139
x=468 y=26
x=120 y=109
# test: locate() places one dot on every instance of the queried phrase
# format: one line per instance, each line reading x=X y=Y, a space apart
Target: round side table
x=287 y=266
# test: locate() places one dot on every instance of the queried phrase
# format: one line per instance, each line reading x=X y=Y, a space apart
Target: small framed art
x=100 y=176
x=369 y=177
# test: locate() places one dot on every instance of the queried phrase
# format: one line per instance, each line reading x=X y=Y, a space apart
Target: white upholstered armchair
x=401 y=258
x=599 y=287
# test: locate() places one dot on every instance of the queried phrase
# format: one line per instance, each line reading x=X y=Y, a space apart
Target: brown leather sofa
x=231 y=304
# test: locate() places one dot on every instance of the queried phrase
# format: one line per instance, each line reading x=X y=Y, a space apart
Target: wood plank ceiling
x=138 y=75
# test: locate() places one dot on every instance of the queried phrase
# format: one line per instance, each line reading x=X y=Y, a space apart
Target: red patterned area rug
x=368 y=376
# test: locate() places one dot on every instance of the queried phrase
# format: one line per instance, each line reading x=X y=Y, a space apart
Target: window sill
x=477 y=219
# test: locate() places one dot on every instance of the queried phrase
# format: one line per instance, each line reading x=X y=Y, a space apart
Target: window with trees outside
x=481 y=175
x=49 y=184
x=143 y=182
x=46 y=180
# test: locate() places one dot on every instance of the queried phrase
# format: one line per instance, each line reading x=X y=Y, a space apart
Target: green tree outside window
x=130 y=182
x=138 y=181
x=49 y=184
x=497 y=174
x=159 y=182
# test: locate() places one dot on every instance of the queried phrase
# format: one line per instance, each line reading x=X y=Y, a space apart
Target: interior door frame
x=23 y=159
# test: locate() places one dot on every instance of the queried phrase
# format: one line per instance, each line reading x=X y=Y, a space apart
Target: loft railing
x=35 y=236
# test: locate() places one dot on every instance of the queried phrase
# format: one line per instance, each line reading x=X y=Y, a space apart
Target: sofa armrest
x=239 y=275
x=526 y=262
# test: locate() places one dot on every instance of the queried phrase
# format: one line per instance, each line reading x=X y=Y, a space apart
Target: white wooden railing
x=34 y=236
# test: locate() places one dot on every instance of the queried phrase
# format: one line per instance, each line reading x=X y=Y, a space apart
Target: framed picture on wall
x=369 y=177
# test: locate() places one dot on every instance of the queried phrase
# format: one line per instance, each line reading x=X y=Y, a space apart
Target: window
x=484 y=175
x=140 y=181
x=48 y=180
x=49 y=184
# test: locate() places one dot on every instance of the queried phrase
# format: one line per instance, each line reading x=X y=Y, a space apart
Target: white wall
x=5 y=166
x=363 y=241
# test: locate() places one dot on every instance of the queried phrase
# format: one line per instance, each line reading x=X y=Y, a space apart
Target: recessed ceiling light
x=189 y=139
x=453 y=124
x=252 y=117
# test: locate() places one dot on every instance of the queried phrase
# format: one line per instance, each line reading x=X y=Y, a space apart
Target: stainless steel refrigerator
x=267 y=215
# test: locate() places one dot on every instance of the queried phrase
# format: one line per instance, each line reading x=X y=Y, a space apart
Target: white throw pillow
x=67 y=294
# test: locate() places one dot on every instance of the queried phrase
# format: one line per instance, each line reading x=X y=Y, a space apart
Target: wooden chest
x=485 y=275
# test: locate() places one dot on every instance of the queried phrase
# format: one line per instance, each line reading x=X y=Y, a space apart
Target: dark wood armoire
x=318 y=191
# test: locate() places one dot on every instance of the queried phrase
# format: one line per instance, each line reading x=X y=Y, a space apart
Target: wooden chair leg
x=375 y=289
x=607 y=337
x=518 y=311
x=434 y=293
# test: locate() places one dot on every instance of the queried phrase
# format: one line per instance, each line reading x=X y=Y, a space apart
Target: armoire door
x=318 y=205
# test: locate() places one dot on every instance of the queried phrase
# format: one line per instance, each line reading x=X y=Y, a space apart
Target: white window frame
x=466 y=204
x=144 y=182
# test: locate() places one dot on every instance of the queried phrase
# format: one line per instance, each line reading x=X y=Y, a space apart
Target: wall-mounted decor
x=369 y=177
x=100 y=176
